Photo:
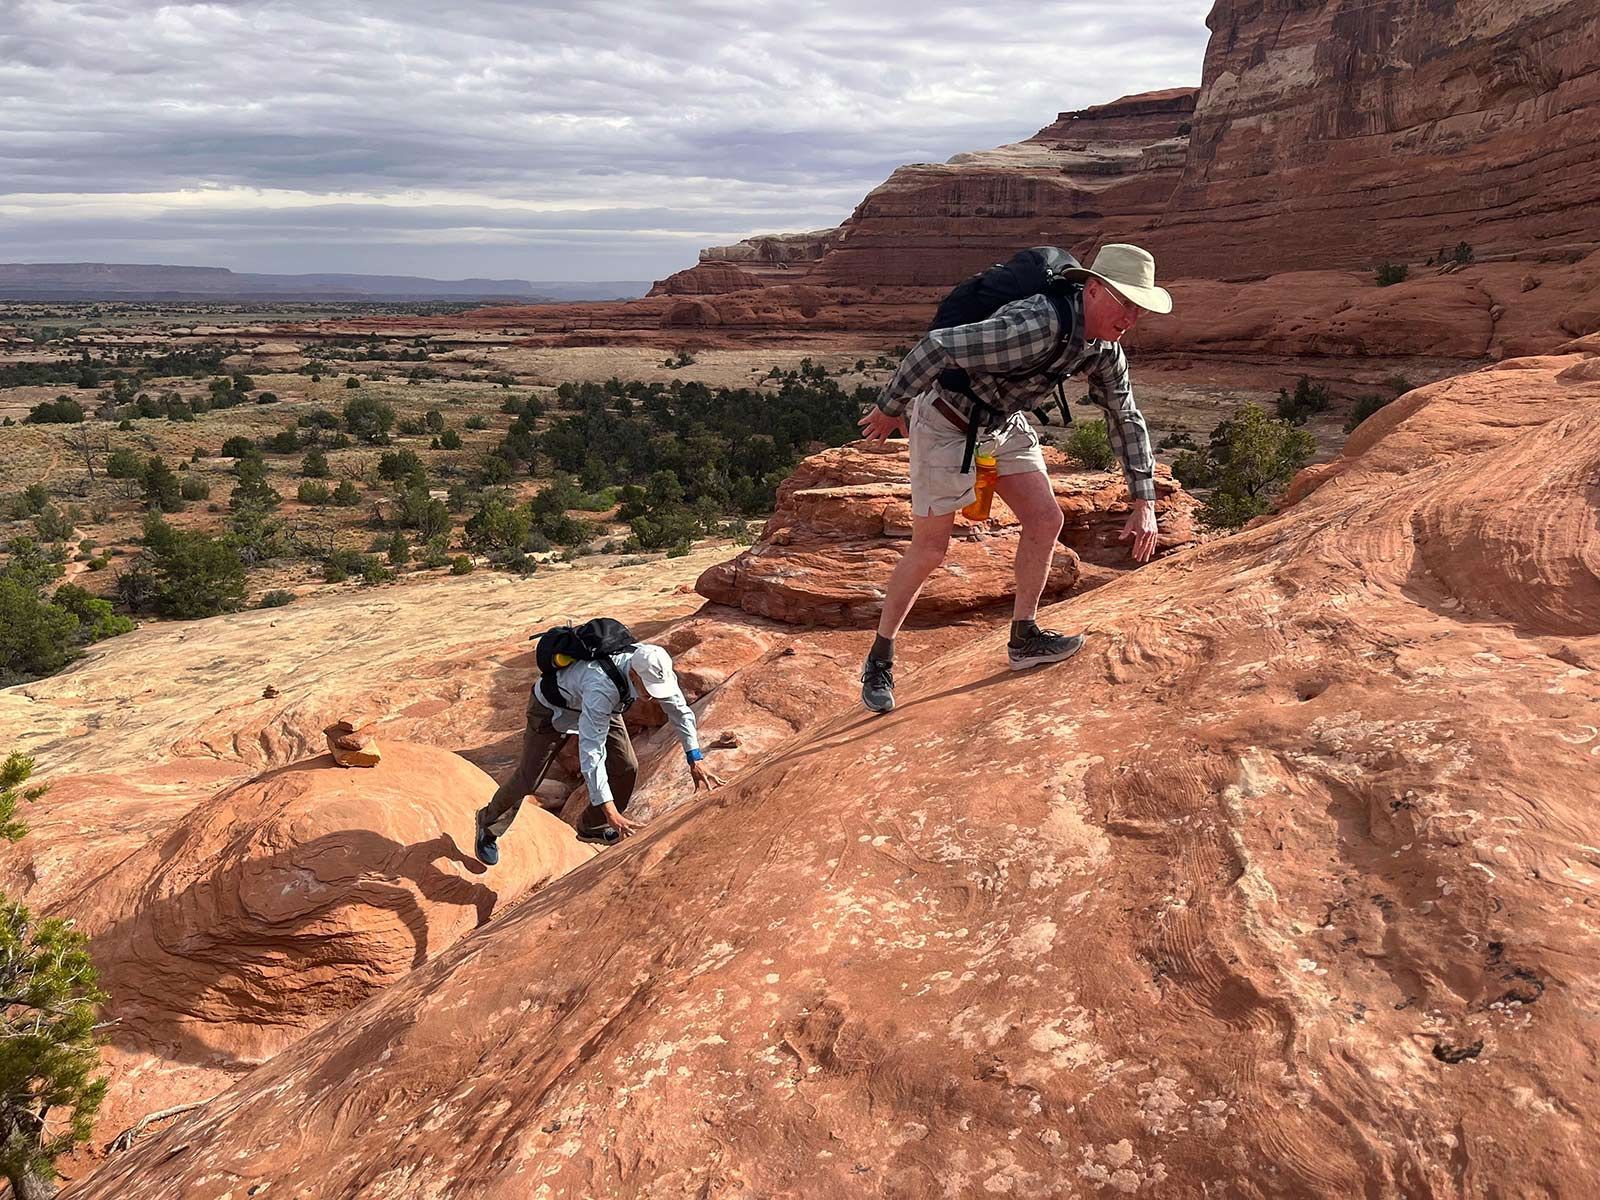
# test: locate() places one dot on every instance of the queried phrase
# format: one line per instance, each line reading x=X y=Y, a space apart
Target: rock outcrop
x=779 y=255
x=1277 y=889
x=350 y=747
x=288 y=899
x=844 y=516
x=1342 y=133
x=929 y=224
x=706 y=279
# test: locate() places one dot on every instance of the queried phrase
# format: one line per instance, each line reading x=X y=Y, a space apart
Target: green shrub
x=1308 y=398
x=96 y=618
x=1365 y=407
x=253 y=488
x=162 y=491
x=276 y=598
x=352 y=382
x=369 y=419
x=1089 y=445
x=399 y=550
x=1389 y=273
x=497 y=529
x=63 y=410
x=123 y=463
x=1248 y=461
x=477 y=422
x=52 y=1040
x=346 y=495
x=54 y=524
x=195 y=488
x=191 y=574
x=312 y=491
x=314 y=465
x=461 y=565
x=374 y=572
x=37 y=637
x=449 y=440
x=341 y=564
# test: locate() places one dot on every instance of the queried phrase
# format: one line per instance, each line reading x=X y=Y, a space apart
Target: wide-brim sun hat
x=1130 y=272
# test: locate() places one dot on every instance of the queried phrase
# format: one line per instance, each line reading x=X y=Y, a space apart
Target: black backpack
x=593 y=641
x=1028 y=273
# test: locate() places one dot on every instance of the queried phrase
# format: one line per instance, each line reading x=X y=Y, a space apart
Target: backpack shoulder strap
x=618 y=680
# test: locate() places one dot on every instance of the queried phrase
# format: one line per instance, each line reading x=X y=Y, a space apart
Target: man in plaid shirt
x=1014 y=359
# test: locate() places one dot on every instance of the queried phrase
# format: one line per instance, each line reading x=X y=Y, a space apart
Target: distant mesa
x=138 y=281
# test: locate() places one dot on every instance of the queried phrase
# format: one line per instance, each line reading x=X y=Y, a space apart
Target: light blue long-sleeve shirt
x=587 y=686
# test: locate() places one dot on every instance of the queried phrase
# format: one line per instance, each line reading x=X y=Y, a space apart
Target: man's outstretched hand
x=703 y=778
x=877 y=425
x=620 y=823
x=1141 y=528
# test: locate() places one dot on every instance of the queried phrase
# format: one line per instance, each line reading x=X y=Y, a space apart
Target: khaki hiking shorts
x=938 y=485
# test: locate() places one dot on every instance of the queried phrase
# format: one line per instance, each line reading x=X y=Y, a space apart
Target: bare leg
x=1030 y=496
x=930 y=538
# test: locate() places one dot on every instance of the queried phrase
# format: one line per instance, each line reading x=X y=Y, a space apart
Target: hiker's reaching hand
x=877 y=425
x=620 y=823
x=1141 y=528
x=703 y=778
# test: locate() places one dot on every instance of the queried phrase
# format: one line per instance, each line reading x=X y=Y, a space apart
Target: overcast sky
x=518 y=139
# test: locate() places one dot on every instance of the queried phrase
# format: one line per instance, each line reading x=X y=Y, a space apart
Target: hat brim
x=1151 y=299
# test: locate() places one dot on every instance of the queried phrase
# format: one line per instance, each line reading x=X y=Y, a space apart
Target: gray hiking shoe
x=877 y=685
x=1046 y=646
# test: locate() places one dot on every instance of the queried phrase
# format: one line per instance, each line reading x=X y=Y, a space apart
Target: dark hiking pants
x=540 y=742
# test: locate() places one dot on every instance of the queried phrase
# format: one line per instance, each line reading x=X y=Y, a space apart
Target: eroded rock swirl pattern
x=1285 y=886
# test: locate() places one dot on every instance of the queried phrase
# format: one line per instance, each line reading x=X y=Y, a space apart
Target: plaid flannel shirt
x=1024 y=338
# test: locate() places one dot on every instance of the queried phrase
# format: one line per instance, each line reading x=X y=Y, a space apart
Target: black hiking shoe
x=1046 y=646
x=877 y=685
x=605 y=835
x=485 y=847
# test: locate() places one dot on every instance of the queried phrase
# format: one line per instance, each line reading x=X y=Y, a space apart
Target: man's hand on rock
x=620 y=823
x=703 y=778
x=877 y=425
x=1141 y=528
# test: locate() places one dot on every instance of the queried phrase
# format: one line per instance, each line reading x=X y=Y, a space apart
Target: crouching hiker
x=1000 y=343
x=583 y=689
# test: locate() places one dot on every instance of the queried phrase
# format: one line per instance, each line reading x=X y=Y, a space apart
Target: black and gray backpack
x=1040 y=270
x=593 y=641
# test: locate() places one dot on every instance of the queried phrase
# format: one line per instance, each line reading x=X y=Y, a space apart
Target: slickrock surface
x=138 y=740
x=844 y=518
x=1283 y=887
x=286 y=900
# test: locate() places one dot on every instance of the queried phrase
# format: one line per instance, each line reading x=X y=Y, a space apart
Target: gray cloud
x=292 y=135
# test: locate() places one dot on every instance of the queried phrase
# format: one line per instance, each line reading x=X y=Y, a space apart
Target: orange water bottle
x=988 y=472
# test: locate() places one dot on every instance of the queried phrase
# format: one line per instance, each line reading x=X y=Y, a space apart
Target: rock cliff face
x=779 y=255
x=1278 y=889
x=1341 y=133
x=930 y=224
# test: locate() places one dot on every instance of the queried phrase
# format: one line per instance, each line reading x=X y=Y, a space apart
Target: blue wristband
x=695 y=756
